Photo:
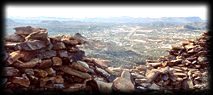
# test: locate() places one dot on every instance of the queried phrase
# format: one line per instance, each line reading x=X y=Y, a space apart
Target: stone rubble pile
x=186 y=67
x=35 y=61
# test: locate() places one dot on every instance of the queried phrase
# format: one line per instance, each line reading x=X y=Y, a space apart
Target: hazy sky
x=80 y=11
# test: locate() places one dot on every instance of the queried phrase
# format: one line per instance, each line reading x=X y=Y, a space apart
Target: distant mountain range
x=123 y=19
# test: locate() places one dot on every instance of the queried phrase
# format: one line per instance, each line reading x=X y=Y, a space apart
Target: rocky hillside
x=117 y=55
x=35 y=61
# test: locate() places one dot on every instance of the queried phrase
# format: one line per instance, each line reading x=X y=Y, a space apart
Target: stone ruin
x=35 y=61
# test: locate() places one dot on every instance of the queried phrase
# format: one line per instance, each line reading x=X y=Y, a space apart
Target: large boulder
x=123 y=83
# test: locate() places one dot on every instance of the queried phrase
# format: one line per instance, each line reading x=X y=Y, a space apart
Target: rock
x=180 y=74
x=152 y=75
x=37 y=35
x=135 y=71
x=50 y=45
x=201 y=59
x=165 y=77
x=102 y=72
x=23 y=30
x=73 y=42
x=14 y=38
x=164 y=64
x=75 y=88
x=31 y=45
x=73 y=79
x=137 y=75
x=146 y=84
x=190 y=84
x=10 y=71
x=196 y=74
x=104 y=87
x=56 y=79
x=45 y=63
x=140 y=81
x=79 y=40
x=189 y=46
x=71 y=71
x=59 y=86
x=123 y=85
x=152 y=61
x=40 y=73
x=37 y=29
x=51 y=71
x=92 y=71
x=155 y=64
x=29 y=71
x=185 y=43
x=29 y=64
x=34 y=80
x=165 y=70
x=28 y=55
x=14 y=56
x=141 y=68
x=57 y=61
x=77 y=56
x=111 y=78
x=11 y=45
x=114 y=71
x=166 y=82
x=100 y=62
x=74 y=49
x=191 y=58
x=63 y=53
x=176 y=61
x=66 y=39
x=126 y=75
x=186 y=62
x=47 y=54
x=141 y=88
x=177 y=47
x=55 y=39
x=88 y=60
x=80 y=65
x=154 y=87
x=59 y=46
x=23 y=81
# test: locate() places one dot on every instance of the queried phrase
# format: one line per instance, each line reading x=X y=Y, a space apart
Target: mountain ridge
x=123 y=19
